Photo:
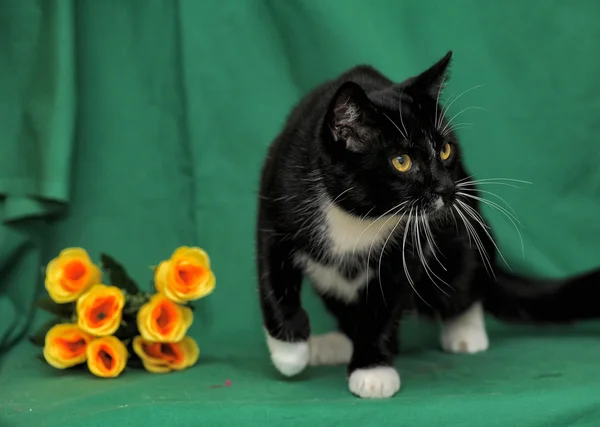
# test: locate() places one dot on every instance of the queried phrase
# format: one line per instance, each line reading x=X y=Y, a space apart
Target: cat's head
x=393 y=146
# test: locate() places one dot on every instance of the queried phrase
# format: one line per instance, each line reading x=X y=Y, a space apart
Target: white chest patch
x=328 y=280
x=348 y=233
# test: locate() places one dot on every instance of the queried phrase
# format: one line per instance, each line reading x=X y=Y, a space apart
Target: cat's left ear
x=432 y=80
x=349 y=117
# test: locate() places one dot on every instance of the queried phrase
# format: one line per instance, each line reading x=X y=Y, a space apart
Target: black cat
x=364 y=192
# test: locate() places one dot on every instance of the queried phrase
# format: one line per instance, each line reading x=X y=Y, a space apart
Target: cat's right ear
x=348 y=117
x=430 y=81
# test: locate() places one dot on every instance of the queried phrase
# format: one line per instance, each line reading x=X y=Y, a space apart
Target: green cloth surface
x=135 y=126
x=530 y=378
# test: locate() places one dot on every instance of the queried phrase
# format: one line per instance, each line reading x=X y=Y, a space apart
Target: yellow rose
x=106 y=357
x=186 y=276
x=100 y=309
x=70 y=274
x=65 y=346
x=165 y=357
x=162 y=320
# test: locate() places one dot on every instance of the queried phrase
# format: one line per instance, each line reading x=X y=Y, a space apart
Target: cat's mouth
x=439 y=204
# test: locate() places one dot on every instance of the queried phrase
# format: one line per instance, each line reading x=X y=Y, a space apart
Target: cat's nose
x=446 y=191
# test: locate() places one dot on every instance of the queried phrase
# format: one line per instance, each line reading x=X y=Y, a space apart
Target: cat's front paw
x=374 y=383
x=464 y=339
x=333 y=348
x=290 y=358
x=465 y=333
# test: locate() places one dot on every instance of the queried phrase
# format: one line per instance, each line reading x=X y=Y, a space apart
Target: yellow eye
x=402 y=163
x=446 y=150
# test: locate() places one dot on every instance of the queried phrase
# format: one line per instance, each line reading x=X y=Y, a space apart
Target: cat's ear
x=349 y=117
x=432 y=80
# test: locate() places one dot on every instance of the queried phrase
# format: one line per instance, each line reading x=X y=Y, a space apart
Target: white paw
x=468 y=339
x=466 y=333
x=330 y=349
x=374 y=383
x=290 y=358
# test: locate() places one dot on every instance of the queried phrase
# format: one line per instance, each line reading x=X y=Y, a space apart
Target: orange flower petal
x=160 y=275
x=99 y=311
x=195 y=255
x=70 y=274
x=165 y=357
x=191 y=352
x=106 y=357
x=186 y=276
x=162 y=320
x=65 y=346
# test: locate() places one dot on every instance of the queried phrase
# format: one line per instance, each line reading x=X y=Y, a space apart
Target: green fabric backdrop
x=136 y=126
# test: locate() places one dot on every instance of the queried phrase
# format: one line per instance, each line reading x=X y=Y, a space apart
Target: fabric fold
x=38 y=113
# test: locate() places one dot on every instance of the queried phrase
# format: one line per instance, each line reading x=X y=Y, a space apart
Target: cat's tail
x=519 y=299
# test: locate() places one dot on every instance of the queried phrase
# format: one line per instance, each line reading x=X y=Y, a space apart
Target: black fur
x=337 y=146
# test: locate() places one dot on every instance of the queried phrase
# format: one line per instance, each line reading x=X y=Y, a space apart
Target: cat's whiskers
x=455 y=127
x=437 y=99
x=410 y=281
x=477 y=184
x=467 y=185
x=373 y=222
x=491 y=193
x=472 y=107
x=431 y=242
x=400 y=112
x=456 y=226
x=313 y=213
x=510 y=182
x=342 y=193
x=492 y=204
x=309 y=207
x=396 y=126
x=478 y=243
x=365 y=216
x=478 y=219
x=422 y=257
x=512 y=218
x=383 y=251
x=466 y=192
x=445 y=108
x=373 y=243
x=502 y=179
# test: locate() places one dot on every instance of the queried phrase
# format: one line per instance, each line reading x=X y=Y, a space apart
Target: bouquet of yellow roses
x=112 y=326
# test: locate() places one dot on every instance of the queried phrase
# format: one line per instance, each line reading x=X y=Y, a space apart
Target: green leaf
x=134 y=360
x=118 y=275
x=127 y=330
x=64 y=311
x=134 y=303
x=37 y=340
x=39 y=337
